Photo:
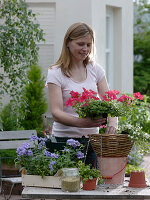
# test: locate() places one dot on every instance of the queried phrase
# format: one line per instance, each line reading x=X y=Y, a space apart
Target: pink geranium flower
x=69 y=102
x=88 y=104
x=138 y=95
x=111 y=95
x=123 y=98
x=116 y=92
x=74 y=94
x=105 y=98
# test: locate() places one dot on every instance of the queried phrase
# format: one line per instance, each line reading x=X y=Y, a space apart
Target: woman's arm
x=113 y=121
x=56 y=106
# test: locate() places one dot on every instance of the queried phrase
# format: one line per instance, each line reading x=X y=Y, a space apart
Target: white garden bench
x=13 y=140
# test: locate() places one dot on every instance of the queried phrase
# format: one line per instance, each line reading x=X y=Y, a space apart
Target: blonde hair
x=75 y=31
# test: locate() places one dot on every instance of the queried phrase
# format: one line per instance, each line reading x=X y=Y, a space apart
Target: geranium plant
x=39 y=161
x=87 y=104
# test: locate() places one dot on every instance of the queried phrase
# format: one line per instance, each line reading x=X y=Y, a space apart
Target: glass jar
x=70 y=181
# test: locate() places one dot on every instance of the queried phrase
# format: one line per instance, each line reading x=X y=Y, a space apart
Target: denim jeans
x=91 y=157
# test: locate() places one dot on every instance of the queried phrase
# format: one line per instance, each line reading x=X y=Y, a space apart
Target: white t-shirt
x=95 y=73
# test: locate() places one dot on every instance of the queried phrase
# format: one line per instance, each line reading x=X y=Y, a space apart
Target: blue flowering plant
x=39 y=161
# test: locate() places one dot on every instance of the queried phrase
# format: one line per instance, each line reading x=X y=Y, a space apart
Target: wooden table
x=101 y=192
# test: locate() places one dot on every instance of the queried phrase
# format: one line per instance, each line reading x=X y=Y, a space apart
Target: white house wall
x=67 y=13
x=56 y=16
x=123 y=39
x=46 y=17
x=45 y=11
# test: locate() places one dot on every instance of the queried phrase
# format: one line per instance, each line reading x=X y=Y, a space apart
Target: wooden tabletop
x=101 y=192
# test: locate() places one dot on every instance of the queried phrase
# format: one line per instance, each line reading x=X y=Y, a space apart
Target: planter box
x=38 y=181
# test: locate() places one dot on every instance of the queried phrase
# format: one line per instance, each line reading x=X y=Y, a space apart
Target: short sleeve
x=100 y=73
x=54 y=76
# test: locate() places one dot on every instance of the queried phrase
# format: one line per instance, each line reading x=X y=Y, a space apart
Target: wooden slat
x=38 y=181
x=14 y=144
x=22 y=134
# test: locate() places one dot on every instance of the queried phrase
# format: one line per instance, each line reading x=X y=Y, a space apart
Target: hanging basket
x=111 y=145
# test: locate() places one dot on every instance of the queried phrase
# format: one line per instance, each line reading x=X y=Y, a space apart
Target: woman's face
x=80 y=48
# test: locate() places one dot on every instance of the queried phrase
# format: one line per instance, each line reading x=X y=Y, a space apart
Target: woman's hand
x=111 y=130
x=56 y=107
x=88 y=123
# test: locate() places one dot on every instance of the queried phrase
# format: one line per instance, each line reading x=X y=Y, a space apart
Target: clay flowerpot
x=90 y=184
x=112 y=169
x=24 y=171
x=137 y=179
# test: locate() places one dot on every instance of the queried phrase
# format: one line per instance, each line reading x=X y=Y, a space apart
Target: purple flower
x=40 y=146
x=66 y=150
x=80 y=155
x=72 y=142
x=29 y=152
x=42 y=142
x=54 y=155
x=42 y=139
x=33 y=138
x=51 y=165
x=21 y=151
x=26 y=145
x=24 y=150
x=47 y=153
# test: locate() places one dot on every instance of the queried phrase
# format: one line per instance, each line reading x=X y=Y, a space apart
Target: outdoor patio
x=30 y=44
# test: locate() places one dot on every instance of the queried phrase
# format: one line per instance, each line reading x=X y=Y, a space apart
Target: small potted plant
x=89 y=176
x=141 y=145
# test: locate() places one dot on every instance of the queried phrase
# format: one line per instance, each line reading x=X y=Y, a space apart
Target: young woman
x=75 y=70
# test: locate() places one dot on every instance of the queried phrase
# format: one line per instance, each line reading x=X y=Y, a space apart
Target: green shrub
x=8 y=156
x=19 y=37
x=10 y=117
x=138 y=125
x=33 y=103
x=140 y=117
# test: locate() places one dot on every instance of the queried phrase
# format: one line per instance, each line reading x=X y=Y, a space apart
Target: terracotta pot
x=24 y=171
x=137 y=179
x=90 y=184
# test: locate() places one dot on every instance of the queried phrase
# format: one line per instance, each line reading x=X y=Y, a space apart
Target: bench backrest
x=14 y=139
